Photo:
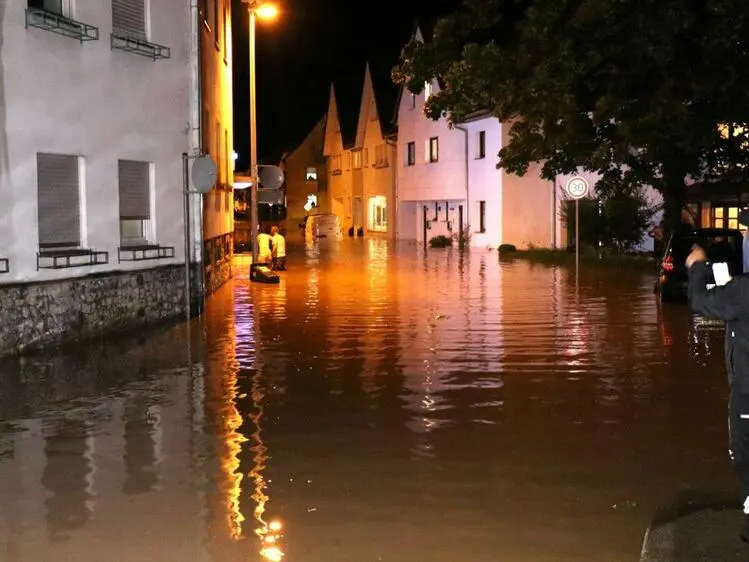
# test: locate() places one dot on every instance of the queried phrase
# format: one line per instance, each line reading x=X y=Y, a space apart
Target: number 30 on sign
x=577 y=187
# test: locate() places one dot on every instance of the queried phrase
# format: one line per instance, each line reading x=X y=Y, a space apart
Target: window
x=427 y=90
x=217 y=156
x=59 y=200
x=381 y=155
x=357 y=160
x=378 y=213
x=129 y=18
x=205 y=131
x=433 y=150
x=204 y=10
x=482 y=216
x=217 y=5
x=227 y=160
x=134 y=186
x=311 y=174
x=481 y=145
x=413 y=101
x=410 y=154
x=59 y=7
x=226 y=30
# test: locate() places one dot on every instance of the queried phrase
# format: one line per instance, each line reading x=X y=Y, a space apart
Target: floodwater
x=379 y=404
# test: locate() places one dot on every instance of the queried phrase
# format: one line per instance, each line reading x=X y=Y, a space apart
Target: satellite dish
x=203 y=173
x=271 y=177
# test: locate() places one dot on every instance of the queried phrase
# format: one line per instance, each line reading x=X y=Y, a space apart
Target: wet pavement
x=378 y=404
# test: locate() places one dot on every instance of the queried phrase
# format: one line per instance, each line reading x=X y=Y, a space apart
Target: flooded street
x=379 y=404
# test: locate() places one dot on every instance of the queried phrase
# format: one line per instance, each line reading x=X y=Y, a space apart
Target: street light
x=264 y=11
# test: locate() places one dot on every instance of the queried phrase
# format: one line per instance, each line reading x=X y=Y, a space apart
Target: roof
x=426 y=26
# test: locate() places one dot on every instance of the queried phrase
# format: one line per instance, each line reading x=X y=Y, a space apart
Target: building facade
x=94 y=117
x=449 y=184
x=361 y=171
x=217 y=134
x=306 y=173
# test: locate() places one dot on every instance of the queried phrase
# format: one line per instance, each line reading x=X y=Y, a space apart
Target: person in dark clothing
x=729 y=302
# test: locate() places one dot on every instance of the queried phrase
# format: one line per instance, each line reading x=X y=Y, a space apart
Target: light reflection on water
x=376 y=404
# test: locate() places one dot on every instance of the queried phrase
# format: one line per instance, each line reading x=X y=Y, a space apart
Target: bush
x=440 y=242
x=618 y=221
x=507 y=249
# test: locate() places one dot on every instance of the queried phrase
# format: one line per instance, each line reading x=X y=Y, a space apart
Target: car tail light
x=668 y=263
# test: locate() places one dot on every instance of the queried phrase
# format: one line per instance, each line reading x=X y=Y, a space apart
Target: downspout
x=195 y=140
x=468 y=198
x=394 y=173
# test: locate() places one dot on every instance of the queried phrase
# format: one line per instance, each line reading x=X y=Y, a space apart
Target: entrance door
x=358 y=220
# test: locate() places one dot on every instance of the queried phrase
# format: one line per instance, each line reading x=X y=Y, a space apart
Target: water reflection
x=381 y=402
x=142 y=454
x=68 y=476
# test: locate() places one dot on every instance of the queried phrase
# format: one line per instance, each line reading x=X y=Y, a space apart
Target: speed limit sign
x=577 y=187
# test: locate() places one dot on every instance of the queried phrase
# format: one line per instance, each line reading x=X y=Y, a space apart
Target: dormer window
x=311 y=174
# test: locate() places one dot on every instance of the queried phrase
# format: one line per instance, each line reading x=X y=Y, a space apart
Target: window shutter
x=58 y=200
x=135 y=189
x=129 y=18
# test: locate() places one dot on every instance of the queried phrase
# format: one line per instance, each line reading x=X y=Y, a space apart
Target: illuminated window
x=378 y=213
x=357 y=160
x=427 y=91
x=311 y=174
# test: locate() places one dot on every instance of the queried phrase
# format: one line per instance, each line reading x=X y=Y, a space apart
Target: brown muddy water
x=379 y=404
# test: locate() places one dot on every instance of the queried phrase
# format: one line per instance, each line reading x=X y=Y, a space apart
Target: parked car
x=323 y=226
x=722 y=246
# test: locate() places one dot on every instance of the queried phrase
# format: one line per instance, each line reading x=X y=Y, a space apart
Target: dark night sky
x=310 y=45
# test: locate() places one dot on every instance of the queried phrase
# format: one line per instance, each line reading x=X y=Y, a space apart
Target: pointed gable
x=365 y=107
x=333 y=138
x=403 y=93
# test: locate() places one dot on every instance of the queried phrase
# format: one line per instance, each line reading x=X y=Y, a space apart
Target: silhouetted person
x=729 y=302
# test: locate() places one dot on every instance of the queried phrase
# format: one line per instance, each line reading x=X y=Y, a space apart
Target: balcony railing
x=76 y=257
x=139 y=46
x=145 y=252
x=56 y=23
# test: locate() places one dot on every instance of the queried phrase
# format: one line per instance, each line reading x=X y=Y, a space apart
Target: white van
x=323 y=226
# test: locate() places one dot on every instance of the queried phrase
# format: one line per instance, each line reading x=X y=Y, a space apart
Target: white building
x=95 y=99
x=448 y=180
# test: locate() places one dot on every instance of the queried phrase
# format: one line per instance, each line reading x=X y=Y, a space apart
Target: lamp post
x=265 y=11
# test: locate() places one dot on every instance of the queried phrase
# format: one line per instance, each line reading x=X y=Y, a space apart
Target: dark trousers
x=279 y=264
x=738 y=434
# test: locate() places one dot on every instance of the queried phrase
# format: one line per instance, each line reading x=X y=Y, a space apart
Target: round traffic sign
x=204 y=173
x=577 y=187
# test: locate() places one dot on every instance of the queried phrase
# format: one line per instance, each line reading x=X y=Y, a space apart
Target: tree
x=643 y=93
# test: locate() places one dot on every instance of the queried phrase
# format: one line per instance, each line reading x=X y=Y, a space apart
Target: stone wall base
x=36 y=315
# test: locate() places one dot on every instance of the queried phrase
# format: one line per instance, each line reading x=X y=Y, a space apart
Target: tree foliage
x=634 y=90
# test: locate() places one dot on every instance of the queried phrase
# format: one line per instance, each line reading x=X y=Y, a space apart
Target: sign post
x=577 y=188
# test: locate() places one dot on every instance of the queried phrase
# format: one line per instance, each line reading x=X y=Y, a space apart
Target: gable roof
x=422 y=31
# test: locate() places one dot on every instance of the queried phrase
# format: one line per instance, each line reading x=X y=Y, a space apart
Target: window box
x=56 y=23
x=70 y=257
x=144 y=252
x=4 y=266
x=140 y=46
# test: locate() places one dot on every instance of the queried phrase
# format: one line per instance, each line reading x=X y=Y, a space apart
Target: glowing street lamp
x=265 y=11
